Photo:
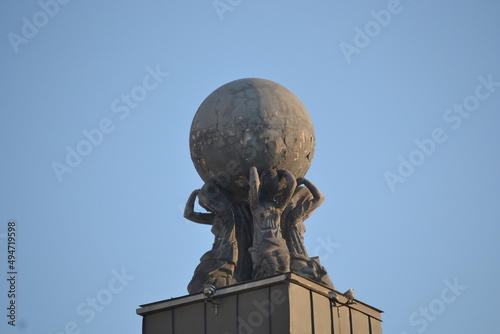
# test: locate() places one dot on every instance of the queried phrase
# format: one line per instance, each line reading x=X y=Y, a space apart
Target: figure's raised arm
x=318 y=197
x=289 y=189
x=197 y=217
x=254 y=183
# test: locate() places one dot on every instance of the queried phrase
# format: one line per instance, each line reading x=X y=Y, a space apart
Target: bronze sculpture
x=216 y=266
x=267 y=201
x=302 y=204
x=252 y=142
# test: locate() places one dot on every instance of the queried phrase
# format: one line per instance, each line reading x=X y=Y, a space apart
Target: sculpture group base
x=283 y=304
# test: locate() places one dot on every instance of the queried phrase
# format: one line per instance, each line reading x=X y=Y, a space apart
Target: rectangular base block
x=283 y=304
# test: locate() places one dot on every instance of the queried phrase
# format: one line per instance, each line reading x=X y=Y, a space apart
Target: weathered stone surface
x=252 y=142
x=250 y=122
x=217 y=266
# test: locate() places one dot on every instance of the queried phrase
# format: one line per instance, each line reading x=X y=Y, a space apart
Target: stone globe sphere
x=250 y=122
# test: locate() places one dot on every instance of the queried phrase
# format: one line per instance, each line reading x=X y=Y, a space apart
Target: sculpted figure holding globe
x=302 y=204
x=217 y=266
x=270 y=254
x=252 y=142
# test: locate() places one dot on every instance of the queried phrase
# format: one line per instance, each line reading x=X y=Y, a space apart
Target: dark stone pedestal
x=283 y=304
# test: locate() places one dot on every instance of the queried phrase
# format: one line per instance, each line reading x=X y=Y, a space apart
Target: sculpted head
x=211 y=196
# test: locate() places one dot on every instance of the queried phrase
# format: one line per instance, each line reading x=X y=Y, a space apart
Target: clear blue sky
x=405 y=99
